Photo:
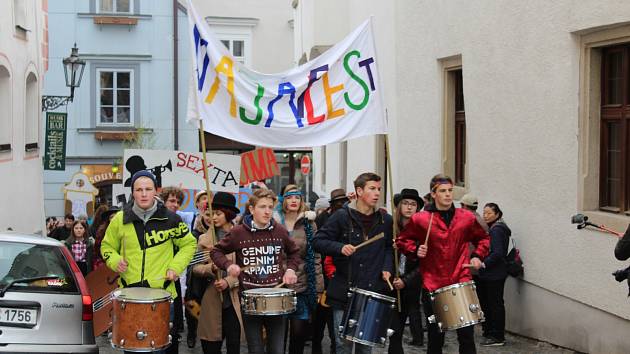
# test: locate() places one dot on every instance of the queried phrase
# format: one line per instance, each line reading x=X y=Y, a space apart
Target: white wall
x=20 y=171
x=521 y=68
x=272 y=42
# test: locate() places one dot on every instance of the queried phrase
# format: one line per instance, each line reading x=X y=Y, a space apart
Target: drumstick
x=390 y=285
x=426 y=239
x=279 y=285
x=123 y=253
x=373 y=239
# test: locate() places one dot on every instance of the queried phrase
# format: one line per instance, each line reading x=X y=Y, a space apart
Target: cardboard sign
x=184 y=169
x=257 y=165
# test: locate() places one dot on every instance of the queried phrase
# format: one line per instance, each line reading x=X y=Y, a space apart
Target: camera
x=579 y=219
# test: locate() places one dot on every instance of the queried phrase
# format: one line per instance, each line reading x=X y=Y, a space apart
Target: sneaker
x=492 y=342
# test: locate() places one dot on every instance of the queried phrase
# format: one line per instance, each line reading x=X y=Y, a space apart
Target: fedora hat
x=338 y=194
x=409 y=193
x=226 y=201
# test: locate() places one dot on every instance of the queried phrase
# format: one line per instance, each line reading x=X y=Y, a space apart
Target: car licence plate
x=17 y=316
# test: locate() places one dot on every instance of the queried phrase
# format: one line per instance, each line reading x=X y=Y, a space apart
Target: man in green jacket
x=139 y=241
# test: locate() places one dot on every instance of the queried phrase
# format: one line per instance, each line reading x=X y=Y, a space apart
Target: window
x=454 y=151
x=615 y=129
x=20 y=16
x=460 y=130
x=236 y=48
x=115 y=6
x=31 y=113
x=5 y=110
x=115 y=97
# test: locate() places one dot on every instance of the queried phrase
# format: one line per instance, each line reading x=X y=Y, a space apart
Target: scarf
x=309 y=266
x=143 y=214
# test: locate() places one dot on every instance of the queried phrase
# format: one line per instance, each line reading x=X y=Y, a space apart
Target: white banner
x=185 y=169
x=335 y=97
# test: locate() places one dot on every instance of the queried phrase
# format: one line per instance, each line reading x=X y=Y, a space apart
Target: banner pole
x=394 y=214
x=210 y=231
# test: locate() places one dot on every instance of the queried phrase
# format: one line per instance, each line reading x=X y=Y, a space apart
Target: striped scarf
x=309 y=266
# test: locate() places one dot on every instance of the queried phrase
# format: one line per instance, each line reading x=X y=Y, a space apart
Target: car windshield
x=23 y=260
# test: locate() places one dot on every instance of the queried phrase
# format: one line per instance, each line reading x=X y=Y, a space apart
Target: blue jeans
x=344 y=346
x=274 y=326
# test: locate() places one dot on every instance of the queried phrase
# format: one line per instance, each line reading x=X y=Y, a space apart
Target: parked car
x=45 y=305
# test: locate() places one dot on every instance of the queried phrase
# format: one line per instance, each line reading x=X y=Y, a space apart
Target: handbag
x=514 y=262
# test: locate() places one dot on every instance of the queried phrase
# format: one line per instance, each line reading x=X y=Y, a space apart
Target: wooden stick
x=207 y=179
x=373 y=239
x=279 y=285
x=391 y=287
x=426 y=239
x=394 y=216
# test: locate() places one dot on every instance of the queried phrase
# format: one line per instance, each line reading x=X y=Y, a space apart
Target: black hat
x=107 y=213
x=409 y=193
x=225 y=200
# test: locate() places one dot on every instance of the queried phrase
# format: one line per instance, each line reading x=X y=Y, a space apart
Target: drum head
x=269 y=291
x=373 y=295
x=141 y=294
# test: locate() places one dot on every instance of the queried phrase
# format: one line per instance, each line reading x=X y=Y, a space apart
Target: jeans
x=345 y=346
x=231 y=330
x=465 y=335
x=490 y=294
x=274 y=327
x=163 y=351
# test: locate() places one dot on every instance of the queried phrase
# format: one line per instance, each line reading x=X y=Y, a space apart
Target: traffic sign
x=305 y=164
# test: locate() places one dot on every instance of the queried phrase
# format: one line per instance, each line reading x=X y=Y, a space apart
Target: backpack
x=514 y=262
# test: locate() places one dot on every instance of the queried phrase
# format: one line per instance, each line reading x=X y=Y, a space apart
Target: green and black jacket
x=149 y=249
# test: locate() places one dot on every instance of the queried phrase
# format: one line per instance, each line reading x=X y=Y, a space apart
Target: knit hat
x=143 y=173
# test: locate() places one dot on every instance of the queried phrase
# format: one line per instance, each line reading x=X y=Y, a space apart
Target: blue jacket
x=364 y=268
x=496 y=266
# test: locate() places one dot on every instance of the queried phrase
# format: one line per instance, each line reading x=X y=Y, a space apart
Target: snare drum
x=269 y=301
x=456 y=306
x=367 y=317
x=141 y=319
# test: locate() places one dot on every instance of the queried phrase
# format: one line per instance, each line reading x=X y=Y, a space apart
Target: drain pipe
x=175 y=79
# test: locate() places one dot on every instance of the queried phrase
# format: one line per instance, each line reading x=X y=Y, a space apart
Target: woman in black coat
x=492 y=275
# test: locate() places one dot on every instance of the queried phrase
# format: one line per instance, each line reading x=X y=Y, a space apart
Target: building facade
x=23 y=63
x=134 y=91
x=524 y=104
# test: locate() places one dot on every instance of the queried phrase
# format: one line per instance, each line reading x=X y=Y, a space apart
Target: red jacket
x=447 y=247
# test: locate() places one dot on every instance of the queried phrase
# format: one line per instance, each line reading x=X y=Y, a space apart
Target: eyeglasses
x=410 y=203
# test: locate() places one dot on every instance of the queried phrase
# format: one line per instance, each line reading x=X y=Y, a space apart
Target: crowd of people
x=317 y=254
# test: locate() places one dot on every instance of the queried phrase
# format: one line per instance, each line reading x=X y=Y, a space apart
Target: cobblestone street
x=514 y=345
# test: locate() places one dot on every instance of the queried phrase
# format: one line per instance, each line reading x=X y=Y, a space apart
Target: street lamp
x=73 y=69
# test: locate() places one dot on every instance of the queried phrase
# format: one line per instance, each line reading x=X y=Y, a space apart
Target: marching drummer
x=262 y=249
x=138 y=243
x=367 y=268
x=444 y=257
